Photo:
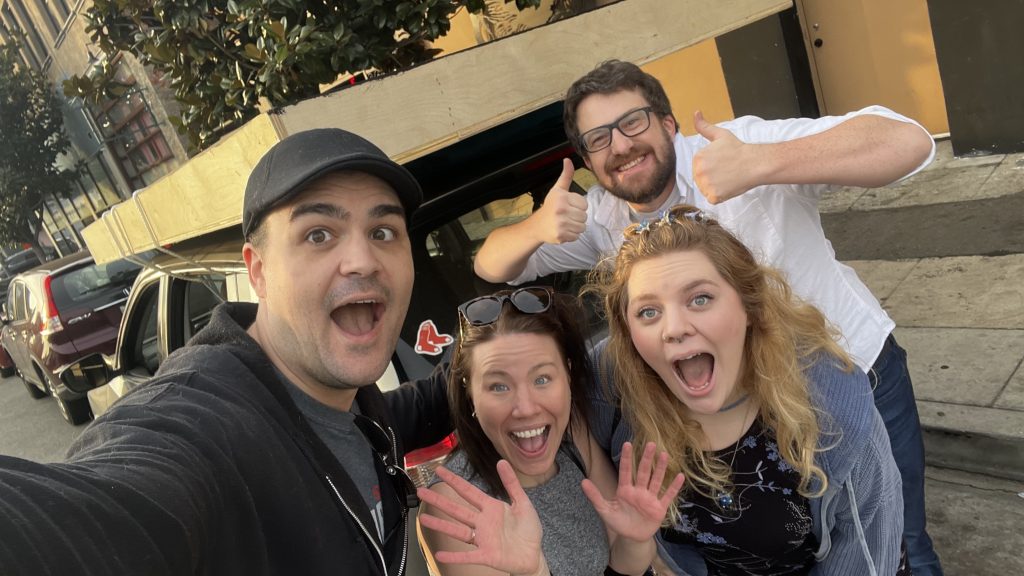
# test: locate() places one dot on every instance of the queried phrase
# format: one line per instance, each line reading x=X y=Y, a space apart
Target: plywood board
x=418 y=111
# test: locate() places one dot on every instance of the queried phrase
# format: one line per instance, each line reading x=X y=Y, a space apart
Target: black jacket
x=210 y=469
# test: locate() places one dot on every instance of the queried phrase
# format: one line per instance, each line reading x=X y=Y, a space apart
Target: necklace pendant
x=725 y=500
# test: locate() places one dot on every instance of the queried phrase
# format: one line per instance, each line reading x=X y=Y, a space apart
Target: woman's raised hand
x=507 y=537
x=639 y=507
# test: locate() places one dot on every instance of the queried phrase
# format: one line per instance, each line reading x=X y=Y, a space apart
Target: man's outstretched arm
x=562 y=218
x=867 y=150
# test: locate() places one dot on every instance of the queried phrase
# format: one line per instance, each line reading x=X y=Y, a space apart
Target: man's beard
x=646 y=192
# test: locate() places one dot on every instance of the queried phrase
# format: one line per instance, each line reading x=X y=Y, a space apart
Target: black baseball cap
x=301 y=158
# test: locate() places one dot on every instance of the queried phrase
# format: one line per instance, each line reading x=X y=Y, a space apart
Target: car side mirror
x=3 y=313
x=86 y=374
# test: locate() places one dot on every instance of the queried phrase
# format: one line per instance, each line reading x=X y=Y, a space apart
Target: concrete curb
x=973 y=439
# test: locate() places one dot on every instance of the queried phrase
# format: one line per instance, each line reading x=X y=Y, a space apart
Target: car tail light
x=420 y=463
x=51 y=317
x=442 y=448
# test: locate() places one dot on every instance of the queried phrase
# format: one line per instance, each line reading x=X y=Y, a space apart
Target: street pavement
x=944 y=253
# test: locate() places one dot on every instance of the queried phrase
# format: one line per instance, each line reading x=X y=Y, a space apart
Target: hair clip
x=644 y=226
x=665 y=217
x=698 y=216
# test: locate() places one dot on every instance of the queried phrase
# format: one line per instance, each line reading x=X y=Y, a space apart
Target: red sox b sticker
x=429 y=341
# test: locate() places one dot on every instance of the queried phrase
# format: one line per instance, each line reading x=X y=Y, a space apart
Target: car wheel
x=75 y=412
x=7 y=372
x=32 y=390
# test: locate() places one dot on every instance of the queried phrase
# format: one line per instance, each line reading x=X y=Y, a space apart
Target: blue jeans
x=894 y=398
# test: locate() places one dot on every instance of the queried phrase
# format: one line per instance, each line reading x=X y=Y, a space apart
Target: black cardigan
x=210 y=469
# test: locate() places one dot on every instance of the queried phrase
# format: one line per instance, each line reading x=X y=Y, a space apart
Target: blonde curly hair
x=783 y=336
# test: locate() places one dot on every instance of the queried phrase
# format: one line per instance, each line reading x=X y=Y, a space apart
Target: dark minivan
x=59 y=312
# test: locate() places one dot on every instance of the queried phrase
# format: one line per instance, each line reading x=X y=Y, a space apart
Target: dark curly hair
x=610 y=77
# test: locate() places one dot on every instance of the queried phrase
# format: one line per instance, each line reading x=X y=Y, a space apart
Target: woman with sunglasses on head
x=515 y=500
x=788 y=466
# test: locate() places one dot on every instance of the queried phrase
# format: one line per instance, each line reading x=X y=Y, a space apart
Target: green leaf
x=254 y=53
x=277 y=28
x=281 y=55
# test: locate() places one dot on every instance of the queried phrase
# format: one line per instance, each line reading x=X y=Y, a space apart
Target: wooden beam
x=428 y=107
x=413 y=113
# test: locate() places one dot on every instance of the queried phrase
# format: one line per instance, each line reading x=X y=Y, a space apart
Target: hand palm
x=637 y=510
x=635 y=513
x=508 y=537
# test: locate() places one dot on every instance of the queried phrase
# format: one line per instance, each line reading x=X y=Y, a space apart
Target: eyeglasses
x=487 y=309
x=632 y=123
x=380 y=442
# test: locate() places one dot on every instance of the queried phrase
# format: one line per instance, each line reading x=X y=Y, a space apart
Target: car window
x=30 y=303
x=94 y=285
x=19 y=301
x=21 y=261
x=455 y=245
x=200 y=300
x=12 y=301
x=192 y=300
x=445 y=277
x=238 y=287
x=141 y=353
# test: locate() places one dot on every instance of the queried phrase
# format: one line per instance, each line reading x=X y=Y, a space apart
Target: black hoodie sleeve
x=133 y=498
x=420 y=409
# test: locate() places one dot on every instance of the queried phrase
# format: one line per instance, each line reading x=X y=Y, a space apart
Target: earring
x=473 y=413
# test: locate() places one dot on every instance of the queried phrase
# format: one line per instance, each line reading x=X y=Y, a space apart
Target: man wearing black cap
x=263 y=446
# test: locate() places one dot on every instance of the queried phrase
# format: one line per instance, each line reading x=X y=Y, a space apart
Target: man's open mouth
x=359 y=317
x=695 y=371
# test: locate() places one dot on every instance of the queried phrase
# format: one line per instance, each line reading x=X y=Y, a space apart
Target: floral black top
x=762 y=525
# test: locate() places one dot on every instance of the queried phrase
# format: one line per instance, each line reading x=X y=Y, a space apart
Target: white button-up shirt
x=779 y=223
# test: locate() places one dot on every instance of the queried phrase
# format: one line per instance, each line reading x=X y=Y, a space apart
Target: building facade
x=118 y=146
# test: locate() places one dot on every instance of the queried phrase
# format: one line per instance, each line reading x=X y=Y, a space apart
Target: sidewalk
x=960 y=314
x=960 y=318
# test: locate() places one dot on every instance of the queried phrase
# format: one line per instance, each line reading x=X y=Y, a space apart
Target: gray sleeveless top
x=575 y=541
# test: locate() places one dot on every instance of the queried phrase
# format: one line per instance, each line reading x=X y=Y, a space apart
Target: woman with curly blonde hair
x=711 y=357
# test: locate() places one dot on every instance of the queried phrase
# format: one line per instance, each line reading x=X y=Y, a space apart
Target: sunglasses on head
x=487 y=309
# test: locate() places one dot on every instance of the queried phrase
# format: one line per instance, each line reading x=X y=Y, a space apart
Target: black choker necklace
x=734 y=404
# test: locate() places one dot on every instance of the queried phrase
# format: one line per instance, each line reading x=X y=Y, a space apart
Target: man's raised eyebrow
x=323 y=208
x=382 y=210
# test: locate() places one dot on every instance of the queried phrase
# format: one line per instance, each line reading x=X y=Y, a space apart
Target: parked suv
x=13 y=265
x=58 y=313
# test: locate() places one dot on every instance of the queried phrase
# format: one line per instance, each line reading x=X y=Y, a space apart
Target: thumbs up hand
x=724 y=168
x=563 y=216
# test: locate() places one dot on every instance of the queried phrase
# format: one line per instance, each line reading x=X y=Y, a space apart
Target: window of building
x=60 y=7
x=28 y=29
x=49 y=18
x=16 y=32
x=96 y=178
x=132 y=132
